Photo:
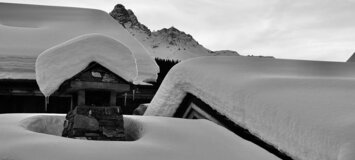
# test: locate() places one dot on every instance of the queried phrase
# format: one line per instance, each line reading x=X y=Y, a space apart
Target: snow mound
x=53 y=125
x=36 y=28
x=305 y=108
x=65 y=60
x=47 y=124
x=160 y=138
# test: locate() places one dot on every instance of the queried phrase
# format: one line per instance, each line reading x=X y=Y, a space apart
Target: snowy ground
x=304 y=108
x=35 y=136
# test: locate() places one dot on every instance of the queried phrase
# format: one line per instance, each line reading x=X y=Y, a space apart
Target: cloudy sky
x=292 y=29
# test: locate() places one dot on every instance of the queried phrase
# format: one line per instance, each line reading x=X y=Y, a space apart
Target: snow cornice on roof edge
x=62 y=62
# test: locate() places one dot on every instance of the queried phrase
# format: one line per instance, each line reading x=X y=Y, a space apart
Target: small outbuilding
x=92 y=68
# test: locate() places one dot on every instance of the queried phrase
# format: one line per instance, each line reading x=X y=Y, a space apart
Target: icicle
x=118 y=109
x=46 y=102
x=134 y=91
x=125 y=99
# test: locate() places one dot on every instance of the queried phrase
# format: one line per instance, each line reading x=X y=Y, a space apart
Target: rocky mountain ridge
x=167 y=43
x=127 y=19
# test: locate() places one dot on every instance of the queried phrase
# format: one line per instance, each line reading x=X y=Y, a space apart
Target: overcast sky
x=292 y=29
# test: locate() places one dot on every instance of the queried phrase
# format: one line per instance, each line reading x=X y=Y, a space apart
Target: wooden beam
x=18 y=92
x=81 y=97
x=71 y=103
x=113 y=97
x=117 y=87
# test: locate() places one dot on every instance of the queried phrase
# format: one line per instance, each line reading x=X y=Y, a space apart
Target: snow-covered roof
x=305 y=108
x=65 y=60
x=33 y=137
x=28 y=30
x=17 y=67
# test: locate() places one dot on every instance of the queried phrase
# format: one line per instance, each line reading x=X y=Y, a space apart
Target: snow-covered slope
x=305 y=108
x=165 y=43
x=28 y=30
x=36 y=137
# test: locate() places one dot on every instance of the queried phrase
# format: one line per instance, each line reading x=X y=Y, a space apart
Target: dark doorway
x=59 y=104
x=97 y=98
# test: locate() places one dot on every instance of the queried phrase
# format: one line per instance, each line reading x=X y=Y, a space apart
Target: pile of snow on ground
x=304 y=108
x=156 y=138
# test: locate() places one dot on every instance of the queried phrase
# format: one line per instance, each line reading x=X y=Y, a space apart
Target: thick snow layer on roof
x=28 y=30
x=17 y=67
x=64 y=61
x=158 y=138
x=305 y=108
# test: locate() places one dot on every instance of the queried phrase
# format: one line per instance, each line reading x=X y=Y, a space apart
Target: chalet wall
x=23 y=96
x=33 y=104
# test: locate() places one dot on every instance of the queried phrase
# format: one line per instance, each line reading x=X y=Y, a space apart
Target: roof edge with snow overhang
x=62 y=62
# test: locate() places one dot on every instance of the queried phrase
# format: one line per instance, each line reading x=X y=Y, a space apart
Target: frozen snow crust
x=62 y=62
x=28 y=30
x=305 y=108
x=158 y=138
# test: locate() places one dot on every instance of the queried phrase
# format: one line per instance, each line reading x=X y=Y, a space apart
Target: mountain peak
x=173 y=29
x=174 y=36
x=127 y=18
x=121 y=14
x=166 y=43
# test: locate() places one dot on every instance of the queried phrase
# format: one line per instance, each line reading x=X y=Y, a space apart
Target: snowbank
x=62 y=62
x=159 y=138
x=28 y=30
x=305 y=108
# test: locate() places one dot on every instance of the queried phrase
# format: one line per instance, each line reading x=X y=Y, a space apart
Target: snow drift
x=28 y=30
x=304 y=108
x=62 y=62
x=156 y=138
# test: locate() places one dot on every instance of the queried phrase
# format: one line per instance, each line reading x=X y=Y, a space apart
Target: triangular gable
x=95 y=72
